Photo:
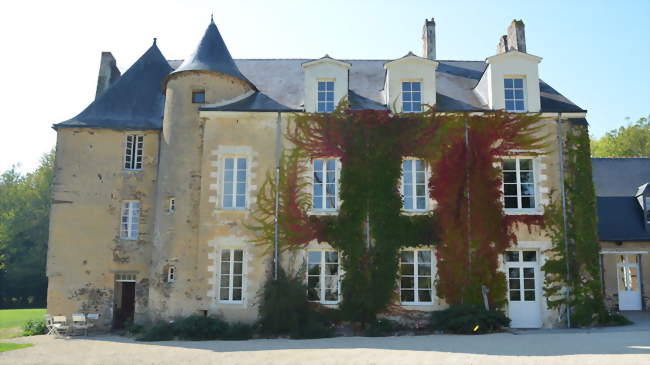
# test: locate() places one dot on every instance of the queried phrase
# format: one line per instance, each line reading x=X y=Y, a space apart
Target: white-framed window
x=515 y=100
x=411 y=97
x=171 y=274
x=519 y=183
x=325 y=184
x=130 y=221
x=125 y=277
x=171 y=205
x=416 y=279
x=323 y=276
x=414 y=185
x=231 y=276
x=133 y=152
x=325 y=96
x=234 y=182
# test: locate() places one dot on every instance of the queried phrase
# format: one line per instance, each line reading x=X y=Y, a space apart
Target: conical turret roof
x=134 y=101
x=212 y=55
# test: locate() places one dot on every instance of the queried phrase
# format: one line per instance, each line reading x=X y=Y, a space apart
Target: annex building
x=156 y=180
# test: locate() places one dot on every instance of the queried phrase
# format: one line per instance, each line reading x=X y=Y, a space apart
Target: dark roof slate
x=620 y=219
x=256 y=102
x=211 y=54
x=133 y=102
x=619 y=176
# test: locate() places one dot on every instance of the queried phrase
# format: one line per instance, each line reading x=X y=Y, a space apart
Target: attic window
x=325 y=96
x=198 y=97
x=411 y=97
x=514 y=94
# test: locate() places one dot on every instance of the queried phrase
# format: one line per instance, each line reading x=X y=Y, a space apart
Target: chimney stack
x=515 y=40
x=108 y=73
x=429 y=39
x=502 y=47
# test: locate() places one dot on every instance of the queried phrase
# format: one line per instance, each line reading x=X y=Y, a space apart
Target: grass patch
x=12 y=320
x=4 y=346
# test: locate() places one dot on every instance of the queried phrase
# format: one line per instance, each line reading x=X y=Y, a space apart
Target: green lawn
x=12 y=320
x=13 y=346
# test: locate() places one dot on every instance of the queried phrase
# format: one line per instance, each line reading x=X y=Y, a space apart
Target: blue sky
x=597 y=53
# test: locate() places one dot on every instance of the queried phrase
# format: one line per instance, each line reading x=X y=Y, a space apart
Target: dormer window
x=647 y=209
x=514 y=94
x=411 y=97
x=325 y=96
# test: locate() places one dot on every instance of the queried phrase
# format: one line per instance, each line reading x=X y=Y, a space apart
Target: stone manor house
x=156 y=180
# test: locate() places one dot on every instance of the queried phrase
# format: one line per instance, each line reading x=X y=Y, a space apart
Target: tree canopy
x=24 y=228
x=632 y=140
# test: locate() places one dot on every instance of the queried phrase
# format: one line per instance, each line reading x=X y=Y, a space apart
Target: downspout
x=565 y=224
x=469 y=211
x=278 y=151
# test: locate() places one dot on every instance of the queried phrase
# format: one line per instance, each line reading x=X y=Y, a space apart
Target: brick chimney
x=517 y=36
x=429 y=39
x=108 y=73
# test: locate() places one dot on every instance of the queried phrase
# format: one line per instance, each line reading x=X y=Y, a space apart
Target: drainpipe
x=469 y=211
x=278 y=152
x=560 y=141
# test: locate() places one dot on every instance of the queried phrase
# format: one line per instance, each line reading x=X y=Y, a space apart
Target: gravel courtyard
x=626 y=345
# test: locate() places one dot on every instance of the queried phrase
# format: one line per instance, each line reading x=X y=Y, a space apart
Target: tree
x=24 y=228
x=630 y=141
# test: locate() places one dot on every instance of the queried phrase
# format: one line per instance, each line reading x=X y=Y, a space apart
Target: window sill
x=323 y=212
x=128 y=239
x=233 y=209
x=535 y=211
x=416 y=212
x=230 y=301
x=416 y=304
x=330 y=303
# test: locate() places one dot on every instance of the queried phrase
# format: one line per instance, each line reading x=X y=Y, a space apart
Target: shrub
x=468 y=319
x=134 y=328
x=198 y=328
x=161 y=331
x=238 y=331
x=312 y=328
x=283 y=305
x=614 y=319
x=381 y=327
x=34 y=327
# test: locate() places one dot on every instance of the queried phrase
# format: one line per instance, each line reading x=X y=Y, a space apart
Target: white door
x=629 y=295
x=522 y=271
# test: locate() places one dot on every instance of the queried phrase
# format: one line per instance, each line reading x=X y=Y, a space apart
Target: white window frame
x=171 y=205
x=125 y=277
x=133 y=152
x=171 y=274
x=514 y=99
x=130 y=211
x=325 y=103
x=321 y=276
x=413 y=179
x=235 y=170
x=324 y=170
x=416 y=276
x=231 y=275
x=517 y=170
x=411 y=93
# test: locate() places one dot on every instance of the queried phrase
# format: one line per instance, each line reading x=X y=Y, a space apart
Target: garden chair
x=91 y=319
x=60 y=324
x=79 y=323
x=49 y=324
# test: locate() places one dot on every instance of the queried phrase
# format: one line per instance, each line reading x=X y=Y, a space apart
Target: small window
x=130 y=220
x=231 y=276
x=324 y=187
x=416 y=279
x=198 y=97
x=171 y=205
x=414 y=187
x=323 y=276
x=325 y=96
x=518 y=183
x=514 y=94
x=647 y=208
x=234 y=183
x=171 y=274
x=411 y=97
x=133 y=152
x=125 y=277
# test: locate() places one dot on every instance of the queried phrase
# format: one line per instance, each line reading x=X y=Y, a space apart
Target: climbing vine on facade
x=370 y=228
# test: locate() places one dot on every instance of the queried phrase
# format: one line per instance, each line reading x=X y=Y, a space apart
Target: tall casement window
x=325 y=96
x=324 y=187
x=133 y=152
x=231 y=275
x=130 y=221
x=414 y=187
x=234 y=183
x=416 y=280
x=514 y=94
x=323 y=276
x=518 y=183
x=411 y=97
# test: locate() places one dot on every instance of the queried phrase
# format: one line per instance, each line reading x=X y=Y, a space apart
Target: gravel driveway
x=611 y=347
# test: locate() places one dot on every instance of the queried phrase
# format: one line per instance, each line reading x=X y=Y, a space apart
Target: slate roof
x=211 y=54
x=617 y=182
x=256 y=102
x=133 y=102
x=619 y=176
